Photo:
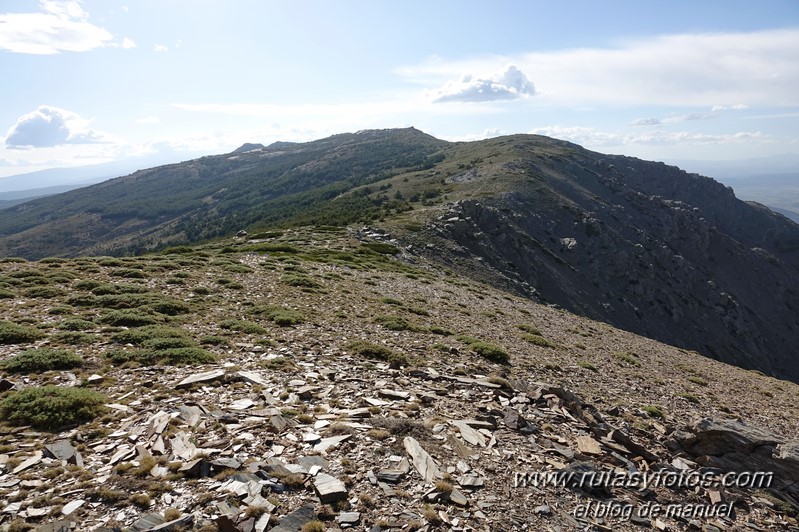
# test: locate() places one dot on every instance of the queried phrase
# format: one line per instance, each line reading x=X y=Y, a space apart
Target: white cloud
x=507 y=85
x=148 y=120
x=584 y=136
x=62 y=27
x=593 y=137
x=128 y=43
x=696 y=70
x=673 y=119
x=736 y=107
x=684 y=137
x=486 y=134
x=50 y=126
x=159 y=48
x=67 y=9
x=646 y=122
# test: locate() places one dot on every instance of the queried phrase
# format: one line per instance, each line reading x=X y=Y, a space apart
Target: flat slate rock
x=422 y=461
x=181 y=523
x=312 y=460
x=588 y=445
x=469 y=434
x=208 y=376
x=349 y=518
x=58 y=526
x=252 y=377
x=458 y=498
x=60 y=450
x=32 y=461
x=391 y=475
x=329 y=443
x=148 y=521
x=72 y=506
x=329 y=488
x=297 y=519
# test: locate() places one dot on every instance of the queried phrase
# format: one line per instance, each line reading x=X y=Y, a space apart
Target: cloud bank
x=698 y=70
x=507 y=85
x=60 y=26
x=589 y=136
x=50 y=126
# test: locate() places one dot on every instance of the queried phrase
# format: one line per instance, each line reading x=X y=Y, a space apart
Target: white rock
x=72 y=506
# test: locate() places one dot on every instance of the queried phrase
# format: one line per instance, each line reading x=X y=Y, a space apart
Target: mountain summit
x=248 y=146
x=640 y=245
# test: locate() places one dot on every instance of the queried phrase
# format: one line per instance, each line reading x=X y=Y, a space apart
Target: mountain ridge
x=641 y=245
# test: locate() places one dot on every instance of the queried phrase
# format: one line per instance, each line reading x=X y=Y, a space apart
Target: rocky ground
x=315 y=381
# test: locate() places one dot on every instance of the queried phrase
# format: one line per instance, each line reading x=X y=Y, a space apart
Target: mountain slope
x=259 y=384
x=212 y=196
x=641 y=245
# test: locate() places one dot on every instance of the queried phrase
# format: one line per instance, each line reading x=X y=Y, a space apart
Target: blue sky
x=92 y=81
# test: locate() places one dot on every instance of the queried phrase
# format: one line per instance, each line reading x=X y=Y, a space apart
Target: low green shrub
x=40 y=360
x=211 y=339
x=381 y=247
x=168 y=357
x=531 y=329
x=87 y=284
x=238 y=268
x=60 y=310
x=282 y=316
x=104 y=289
x=76 y=324
x=537 y=340
x=654 y=411
x=52 y=407
x=74 y=338
x=167 y=343
x=376 y=351
x=11 y=333
x=396 y=323
x=140 y=335
x=627 y=358
x=129 y=273
x=302 y=281
x=491 y=352
x=129 y=318
x=244 y=326
x=43 y=292
x=178 y=250
x=271 y=248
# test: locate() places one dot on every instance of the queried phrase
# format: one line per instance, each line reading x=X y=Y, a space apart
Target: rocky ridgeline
x=380 y=449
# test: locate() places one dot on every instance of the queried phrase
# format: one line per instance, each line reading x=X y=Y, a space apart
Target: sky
x=93 y=81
